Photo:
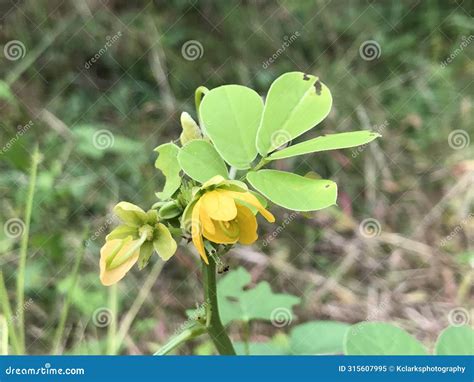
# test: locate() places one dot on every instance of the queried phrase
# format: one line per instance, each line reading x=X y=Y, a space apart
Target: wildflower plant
x=235 y=136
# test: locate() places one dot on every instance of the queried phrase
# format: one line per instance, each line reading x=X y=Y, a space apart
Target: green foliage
x=327 y=142
x=379 y=338
x=318 y=337
x=293 y=191
x=231 y=115
x=257 y=303
x=200 y=161
x=295 y=103
x=167 y=163
x=455 y=340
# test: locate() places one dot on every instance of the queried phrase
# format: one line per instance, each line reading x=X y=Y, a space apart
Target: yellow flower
x=223 y=211
x=132 y=242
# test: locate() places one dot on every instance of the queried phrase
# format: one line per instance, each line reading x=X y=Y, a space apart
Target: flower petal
x=206 y=221
x=247 y=197
x=130 y=214
x=219 y=235
x=247 y=224
x=219 y=205
x=116 y=248
x=164 y=244
x=196 y=232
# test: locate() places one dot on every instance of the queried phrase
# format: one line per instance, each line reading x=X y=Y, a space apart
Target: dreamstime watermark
x=456 y=230
x=458 y=139
x=197 y=315
x=14 y=228
x=111 y=219
x=102 y=317
x=458 y=317
x=370 y=228
x=378 y=129
x=192 y=50
x=370 y=50
x=274 y=234
x=466 y=41
x=103 y=139
x=22 y=129
x=26 y=305
x=287 y=41
x=14 y=50
x=110 y=40
x=280 y=139
x=281 y=317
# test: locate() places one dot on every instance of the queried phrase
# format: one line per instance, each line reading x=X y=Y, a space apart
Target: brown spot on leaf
x=318 y=87
x=305 y=77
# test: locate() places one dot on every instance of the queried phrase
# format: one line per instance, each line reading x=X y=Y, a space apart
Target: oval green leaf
x=231 y=116
x=455 y=340
x=379 y=338
x=295 y=103
x=293 y=191
x=200 y=161
x=167 y=163
x=327 y=142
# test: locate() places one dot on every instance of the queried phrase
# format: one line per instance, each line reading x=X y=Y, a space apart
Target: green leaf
x=455 y=340
x=146 y=250
x=379 y=338
x=167 y=162
x=293 y=191
x=164 y=243
x=259 y=348
x=295 y=103
x=122 y=232
x=231 y=116
x=318 y=337
x=327 y=142
x=260 y=302
x=200 y=160
x=130 y=214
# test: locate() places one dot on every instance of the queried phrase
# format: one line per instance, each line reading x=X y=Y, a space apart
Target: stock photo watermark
x=466 y=41
x=287 y=41
x=21 y=130
x=370 y=228
x=459 y=139
x=110 y=41
x=14 y=50
x=370 y=50
x=192 y=50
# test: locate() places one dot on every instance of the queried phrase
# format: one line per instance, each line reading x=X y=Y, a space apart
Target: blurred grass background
x=413 y=182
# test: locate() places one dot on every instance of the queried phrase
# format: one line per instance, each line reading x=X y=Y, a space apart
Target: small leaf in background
x=6 y=92
x=455 y=340
x=200 y=161
x=231 y=116
x=293 y=191
x=167 y=163
x=295 y=103
x=94 y=141
x=259 y=348
x=327 y=142
x=318 y=337
x=259 y=302
x=379 y=338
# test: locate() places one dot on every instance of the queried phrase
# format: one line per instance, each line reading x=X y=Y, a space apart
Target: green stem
x=198 y=96
x=7 y=311
x=214 y=325
x=67 y=302
x=112 y=329
x=20 y=285
x=184 y=336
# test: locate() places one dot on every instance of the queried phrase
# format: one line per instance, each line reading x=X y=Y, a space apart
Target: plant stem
x=184 y=336
x=67 y=302
x=7 y=311
x=20 y=282
x=214 y=325
x=112 y=329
